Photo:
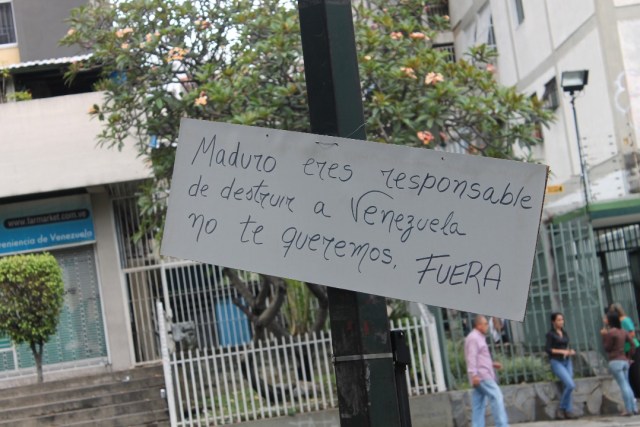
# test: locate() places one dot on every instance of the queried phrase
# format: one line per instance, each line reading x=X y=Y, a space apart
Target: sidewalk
x=602 y=421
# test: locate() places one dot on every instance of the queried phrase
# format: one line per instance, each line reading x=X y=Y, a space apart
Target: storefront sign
x=444 y=229
x=45 y=224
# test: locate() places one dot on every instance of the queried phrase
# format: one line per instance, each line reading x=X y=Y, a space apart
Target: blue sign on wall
x=233 y=325
x=44 y=224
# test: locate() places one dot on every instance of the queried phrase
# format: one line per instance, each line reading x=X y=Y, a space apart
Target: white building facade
x=539 y=40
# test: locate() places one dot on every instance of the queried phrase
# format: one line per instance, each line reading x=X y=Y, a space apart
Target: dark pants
x=634 y=374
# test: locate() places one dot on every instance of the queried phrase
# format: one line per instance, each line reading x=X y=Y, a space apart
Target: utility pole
x=359 y=324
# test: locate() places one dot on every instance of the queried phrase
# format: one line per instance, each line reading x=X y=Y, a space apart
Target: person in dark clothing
x=614 y=339
x=557 y=347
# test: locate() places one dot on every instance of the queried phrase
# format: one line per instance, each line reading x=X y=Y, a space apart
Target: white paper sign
x=444 y=229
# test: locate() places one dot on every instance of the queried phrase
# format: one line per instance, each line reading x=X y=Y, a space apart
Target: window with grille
x=7 y=29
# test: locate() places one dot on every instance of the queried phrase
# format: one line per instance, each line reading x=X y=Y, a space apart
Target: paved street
x=329 y=419
x=604 y=421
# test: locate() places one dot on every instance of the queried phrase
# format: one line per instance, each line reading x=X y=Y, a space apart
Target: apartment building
x=56 y=192
x=537 y=42
x=82 y=198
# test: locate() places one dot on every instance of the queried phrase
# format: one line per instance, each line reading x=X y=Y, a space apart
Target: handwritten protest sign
x=444 y=229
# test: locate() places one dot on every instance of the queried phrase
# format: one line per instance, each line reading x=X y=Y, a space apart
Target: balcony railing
x=438 y=9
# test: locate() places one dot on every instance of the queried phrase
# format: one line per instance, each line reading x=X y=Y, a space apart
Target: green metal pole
x=359 y=324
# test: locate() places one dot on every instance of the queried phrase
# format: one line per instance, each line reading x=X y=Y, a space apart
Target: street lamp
x=572 y=82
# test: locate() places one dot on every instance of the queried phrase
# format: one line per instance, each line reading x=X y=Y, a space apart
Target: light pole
x=572 y=82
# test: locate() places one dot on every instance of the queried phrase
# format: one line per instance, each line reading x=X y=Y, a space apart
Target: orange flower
x=425 y=136
x=124 y=45
x=396 y=35
x=367 y=57
x=148 y=37
x=123 y=32
x=409 y=72
x=202 y=99
x=418 y=36
x=201 y=24
x=491 y=68
x=433 y=78
x=93 y=109
x=71 y=31
x=176 y=54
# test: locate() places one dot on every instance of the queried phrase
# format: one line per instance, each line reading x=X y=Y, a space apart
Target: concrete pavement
x=601 y=421
x=329 y=419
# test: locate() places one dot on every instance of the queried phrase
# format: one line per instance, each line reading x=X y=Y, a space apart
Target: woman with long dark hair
x=557 y=348
x=614 y=339
x=626 y=323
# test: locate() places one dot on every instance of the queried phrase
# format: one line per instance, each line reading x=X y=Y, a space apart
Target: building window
x=550 y=98
x=7 y=29
x=491 y=37
x=519 y=11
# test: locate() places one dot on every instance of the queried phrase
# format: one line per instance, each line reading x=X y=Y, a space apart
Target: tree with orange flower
x=240 y=61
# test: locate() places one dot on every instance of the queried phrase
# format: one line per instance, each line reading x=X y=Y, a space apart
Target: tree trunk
x=262 y=316
x=36 y=349
x=320 y=292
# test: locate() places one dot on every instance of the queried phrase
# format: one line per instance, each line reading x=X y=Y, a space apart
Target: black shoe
x=570 y=415
x=561 y=414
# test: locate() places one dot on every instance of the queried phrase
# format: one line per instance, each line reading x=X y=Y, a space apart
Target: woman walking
x=613 y=340
x=557 y=348
x=634 y=370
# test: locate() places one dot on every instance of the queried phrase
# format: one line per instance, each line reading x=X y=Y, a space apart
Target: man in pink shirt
x=480 y=368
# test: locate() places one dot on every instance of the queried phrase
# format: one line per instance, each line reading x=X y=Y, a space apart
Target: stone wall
x=538 y=402
x=525 y=403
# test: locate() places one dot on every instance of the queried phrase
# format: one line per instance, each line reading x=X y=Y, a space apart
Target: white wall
x=49 y=144
x=112 y=286
x=457 y=10
x=595 y=118
x=629 y=32
x=566 y=16
x=595 y=121
x=531 y=38
x=625 y=2
x=507 y=72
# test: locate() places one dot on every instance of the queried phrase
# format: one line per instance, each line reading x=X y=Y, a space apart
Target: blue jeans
x=563 y=369
x=620 y=371
x=488 y=389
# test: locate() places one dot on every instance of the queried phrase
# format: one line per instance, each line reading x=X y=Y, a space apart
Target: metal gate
x=618 y=250
x=566 y=278
x=196 y=295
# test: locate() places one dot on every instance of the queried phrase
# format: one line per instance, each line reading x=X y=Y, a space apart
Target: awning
x=44 y=62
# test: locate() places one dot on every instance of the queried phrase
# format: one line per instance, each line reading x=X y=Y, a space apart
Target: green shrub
x=515 y=369
x=21 y=95
x=31 y=298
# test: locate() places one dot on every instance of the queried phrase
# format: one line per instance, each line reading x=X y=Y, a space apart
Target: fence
x=277 y=377
x=566 y=278
x=618 y=249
